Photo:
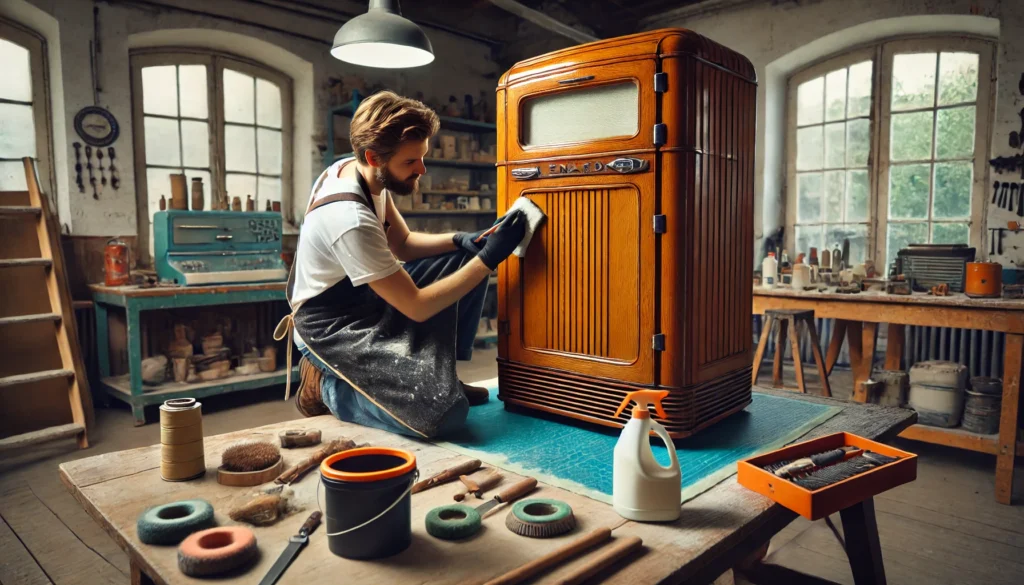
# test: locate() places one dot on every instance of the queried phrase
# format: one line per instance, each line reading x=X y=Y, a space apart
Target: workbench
x=134 y=300
x=717 y=529
x=857 y=318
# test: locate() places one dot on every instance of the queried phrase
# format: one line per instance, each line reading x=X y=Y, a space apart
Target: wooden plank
x=16 y=563
x=166 y=291
x=20 y=319
x=955 y=437
x=894 y=346
x=60 y=554
x=958 y=300
x=15 y=210
x=1012 y=363
x=40 y=436
x=34 y=377
x=835 y=345
x=19 y=262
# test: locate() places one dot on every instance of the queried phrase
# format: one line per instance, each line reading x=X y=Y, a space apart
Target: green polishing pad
x=453 y=522
x=171 y=523
x=540 y=518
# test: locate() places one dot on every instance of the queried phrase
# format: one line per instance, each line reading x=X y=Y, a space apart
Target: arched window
x=24 y=108
x=887 y=145
x=219 y=117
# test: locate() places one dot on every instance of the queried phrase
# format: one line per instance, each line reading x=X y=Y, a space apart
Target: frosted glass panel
x=17 y=131
x=160 y=90
x=16 y=82
x=240 y=148
x=268 y=104
x=268 y=142
x=270 y=190
x=195 y=143
x=193 y=91
x=162 y=146
x=12 y=176
x=584 y=114
x=239 y=99
x=240 y=186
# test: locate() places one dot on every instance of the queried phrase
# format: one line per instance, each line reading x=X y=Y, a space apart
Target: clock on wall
x=96 y=126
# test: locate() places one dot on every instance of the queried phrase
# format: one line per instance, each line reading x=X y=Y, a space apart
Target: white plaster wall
x=461 y=66
x=781 y=38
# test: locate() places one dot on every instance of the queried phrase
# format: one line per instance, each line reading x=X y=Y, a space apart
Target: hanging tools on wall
x=88 y=166
x=99 y=165
x=996 y=244
x=1007 y=194
x=78 y=166
x=115 y=176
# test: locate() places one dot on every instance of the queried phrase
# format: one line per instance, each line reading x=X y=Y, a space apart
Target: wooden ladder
x=60 y=315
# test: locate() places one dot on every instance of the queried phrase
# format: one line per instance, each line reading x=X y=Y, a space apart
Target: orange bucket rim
x=364 y=477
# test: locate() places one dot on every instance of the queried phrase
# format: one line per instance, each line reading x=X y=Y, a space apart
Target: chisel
x=1020 y=201
x=995 y=191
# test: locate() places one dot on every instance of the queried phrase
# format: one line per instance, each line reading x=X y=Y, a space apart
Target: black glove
x=467 y=241
x=504 y=240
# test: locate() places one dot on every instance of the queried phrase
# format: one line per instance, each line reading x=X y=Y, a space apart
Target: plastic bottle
x=642 y=489
x=769 y=271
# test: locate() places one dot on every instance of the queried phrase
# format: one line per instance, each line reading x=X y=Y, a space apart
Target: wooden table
x=134 y=299
x=718 y=528
x=858 y=316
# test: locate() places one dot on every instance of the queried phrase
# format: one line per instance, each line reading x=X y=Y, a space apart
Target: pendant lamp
x=382 y=38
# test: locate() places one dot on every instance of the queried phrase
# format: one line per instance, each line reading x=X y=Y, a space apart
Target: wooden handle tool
x=447 y=475
x=311 y=523
x=621 y=548
x=532 y=568
x=516 y=490
x=477 y=486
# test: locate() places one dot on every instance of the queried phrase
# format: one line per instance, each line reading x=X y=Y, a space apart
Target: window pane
x=913 y=81
x=193 y=91
x=858 y=236
x=239 y=148
x=911 y=136
x=162 y=146
x=160 y=90
x=951 y=233
x=16 y=82
x=589 y=113
x=807 y=237
x=269 y=190
x=268 y=104
x=859 y=102
x=158 y=184
x=835 y=95
x=240 y=186
x=902 y=235
x=17 y=131
x=834 y=187
x=958 y=78
x=954 y=133
x=809 y=155
x=808 y=206
x=908 y=191
x=809 y=97
x=12 y=176
x=269 y=149
x=857 y=192
x=953 y=190
x=195 y=143
x=835 y=145
x=858 y=143
x=239 y=102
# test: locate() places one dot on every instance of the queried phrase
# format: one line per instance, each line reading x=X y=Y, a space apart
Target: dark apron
x=405 y=368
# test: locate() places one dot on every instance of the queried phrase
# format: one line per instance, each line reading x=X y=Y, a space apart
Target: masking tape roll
x=181 y=418
x=182 y=471
x=181 y=435
x=179 y=453
x=181 y=458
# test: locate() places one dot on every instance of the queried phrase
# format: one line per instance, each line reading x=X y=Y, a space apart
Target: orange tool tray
x=819 y=503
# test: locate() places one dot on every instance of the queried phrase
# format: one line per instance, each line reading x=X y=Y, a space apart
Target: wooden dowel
x=606 y=557
x=535 y=566
x=449 y=474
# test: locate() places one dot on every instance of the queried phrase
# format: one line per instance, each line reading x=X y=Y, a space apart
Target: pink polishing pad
x=216 y=550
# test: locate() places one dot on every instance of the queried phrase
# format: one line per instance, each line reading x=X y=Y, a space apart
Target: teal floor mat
x=580 y=459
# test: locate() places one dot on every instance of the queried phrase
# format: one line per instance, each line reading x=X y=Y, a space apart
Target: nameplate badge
x=623 y=166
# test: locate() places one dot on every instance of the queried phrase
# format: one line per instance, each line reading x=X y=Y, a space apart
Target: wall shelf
x=413 y=212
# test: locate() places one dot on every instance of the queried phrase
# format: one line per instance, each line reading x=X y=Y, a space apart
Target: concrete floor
x=944 y=528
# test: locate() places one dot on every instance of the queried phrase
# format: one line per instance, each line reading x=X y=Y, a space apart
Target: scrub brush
x=540 y=518
x=249 y=456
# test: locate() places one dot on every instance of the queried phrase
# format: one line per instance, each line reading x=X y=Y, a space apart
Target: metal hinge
x=659 y=342
x=503 y=328
x=659 y=224
x=660 y=82
x=660 y=134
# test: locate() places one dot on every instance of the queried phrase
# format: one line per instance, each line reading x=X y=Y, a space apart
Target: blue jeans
x=348 y=405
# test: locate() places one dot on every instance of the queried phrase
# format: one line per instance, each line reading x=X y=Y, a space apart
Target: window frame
x=215 y=62
x=41 y=116
x=881 y=54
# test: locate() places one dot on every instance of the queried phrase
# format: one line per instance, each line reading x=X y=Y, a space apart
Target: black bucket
x=367 y=503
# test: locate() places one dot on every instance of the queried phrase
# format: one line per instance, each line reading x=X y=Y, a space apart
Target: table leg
x=102 y=339
x=762 y=345
x=780 y=351
x=860 y=531
x=862 y=371
x=835 y=344
x=826 y=389
x=135 y=365
x=794 y=340
x=1008 y=418
x=894 y=346
x=139 y=577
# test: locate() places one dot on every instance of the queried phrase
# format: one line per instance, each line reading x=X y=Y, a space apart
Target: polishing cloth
x=534 y=218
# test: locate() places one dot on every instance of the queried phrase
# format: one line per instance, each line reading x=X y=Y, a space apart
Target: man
x=379 y=339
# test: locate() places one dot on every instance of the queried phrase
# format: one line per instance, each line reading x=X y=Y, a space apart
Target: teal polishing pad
x=171 y=523
x=453 y=522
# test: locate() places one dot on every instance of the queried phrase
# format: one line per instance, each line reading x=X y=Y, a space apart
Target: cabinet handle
x=224 y=236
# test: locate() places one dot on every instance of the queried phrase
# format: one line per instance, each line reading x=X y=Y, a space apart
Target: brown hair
x=385 y=120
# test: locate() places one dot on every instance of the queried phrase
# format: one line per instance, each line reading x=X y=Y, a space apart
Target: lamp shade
x=382 y=38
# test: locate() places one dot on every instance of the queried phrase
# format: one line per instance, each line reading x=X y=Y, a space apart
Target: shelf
x=459 y=193
x=120 y=386
x=446 y=212
x=955 y=437
x=465 y=125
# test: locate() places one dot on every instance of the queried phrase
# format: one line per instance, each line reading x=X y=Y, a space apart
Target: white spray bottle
x=642 y=489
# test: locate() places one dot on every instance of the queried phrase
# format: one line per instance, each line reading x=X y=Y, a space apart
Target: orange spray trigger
x=642 y=399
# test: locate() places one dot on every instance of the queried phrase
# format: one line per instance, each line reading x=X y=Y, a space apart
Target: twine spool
x=181 y=440
x=179 y=192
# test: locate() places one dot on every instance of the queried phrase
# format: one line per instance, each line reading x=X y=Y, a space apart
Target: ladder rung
x=19 y=319
x=35 y=377
x=15 y=262
x=40 y=436
x=19 y=210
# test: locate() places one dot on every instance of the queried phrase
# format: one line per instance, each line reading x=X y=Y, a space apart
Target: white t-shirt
x=341 y=240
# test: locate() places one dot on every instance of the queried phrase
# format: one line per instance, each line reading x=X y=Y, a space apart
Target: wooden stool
x=780 y=321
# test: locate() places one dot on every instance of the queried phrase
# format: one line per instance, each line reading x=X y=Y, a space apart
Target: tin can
x=116 y=263
x=984 y=279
